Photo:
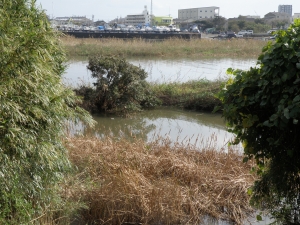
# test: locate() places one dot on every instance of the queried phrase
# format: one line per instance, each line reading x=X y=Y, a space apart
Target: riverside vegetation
x=48 y=178
x=171 y=48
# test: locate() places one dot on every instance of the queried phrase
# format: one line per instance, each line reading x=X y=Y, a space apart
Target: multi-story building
x=286 y=9
x=198 y=13
x=139 y=19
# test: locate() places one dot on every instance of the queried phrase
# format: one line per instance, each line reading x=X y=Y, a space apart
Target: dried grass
x=133 y=182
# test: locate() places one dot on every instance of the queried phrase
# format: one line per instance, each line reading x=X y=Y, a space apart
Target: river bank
x=171 y=48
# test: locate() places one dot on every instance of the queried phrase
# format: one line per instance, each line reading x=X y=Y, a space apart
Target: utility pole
x=151 y=15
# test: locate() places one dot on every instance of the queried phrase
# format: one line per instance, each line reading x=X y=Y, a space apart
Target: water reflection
x=164 y=71
x=202 y=130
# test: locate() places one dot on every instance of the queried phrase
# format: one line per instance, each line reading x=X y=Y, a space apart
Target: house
x=162 y=20
x=296 y=16
x=277 y=16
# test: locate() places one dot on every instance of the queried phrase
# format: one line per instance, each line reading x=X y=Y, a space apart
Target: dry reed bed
x=171 y=48
x=158 y=183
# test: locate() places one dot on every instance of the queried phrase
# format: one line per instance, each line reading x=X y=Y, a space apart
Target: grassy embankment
x=158 y=183
x=172 y=48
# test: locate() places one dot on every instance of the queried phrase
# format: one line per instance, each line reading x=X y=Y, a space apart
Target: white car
x=239 y=35
x=271 y=31
x=141 y=30
x=245 y=32
x=165 y=29
x=131 y=29
x=148 y=29
x=157 y=29
x=173 y=28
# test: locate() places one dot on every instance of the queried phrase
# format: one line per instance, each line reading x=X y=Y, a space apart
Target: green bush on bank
x=121 y=88
x=262 y=107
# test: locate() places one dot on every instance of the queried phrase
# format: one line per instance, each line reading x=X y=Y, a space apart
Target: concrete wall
x=133 y=35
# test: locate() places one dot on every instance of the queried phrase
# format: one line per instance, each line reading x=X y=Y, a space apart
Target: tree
x=34 y=108
x=262 y=107
x=120 y=87
x=219 y=22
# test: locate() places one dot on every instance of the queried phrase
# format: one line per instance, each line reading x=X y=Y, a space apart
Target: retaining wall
x=80 y=34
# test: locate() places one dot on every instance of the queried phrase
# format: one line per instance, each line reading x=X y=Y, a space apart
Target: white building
x=296 y=16
x=252 y=17
x=139 y=19
x=198 y=13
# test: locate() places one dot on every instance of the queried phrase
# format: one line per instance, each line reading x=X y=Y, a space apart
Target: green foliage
x=262 y=107
x=120 y=87
x=258 y=26
x=34 y=108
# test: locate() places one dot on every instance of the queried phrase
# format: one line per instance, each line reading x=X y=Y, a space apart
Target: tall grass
x=171 y=48
x=124 y=182
x=193 y=95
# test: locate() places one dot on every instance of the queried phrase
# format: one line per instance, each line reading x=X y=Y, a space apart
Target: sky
x=110 y=9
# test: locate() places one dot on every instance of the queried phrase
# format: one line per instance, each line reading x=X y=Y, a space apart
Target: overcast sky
x=110 y=9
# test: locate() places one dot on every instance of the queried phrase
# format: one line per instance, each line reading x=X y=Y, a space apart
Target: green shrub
x=120 y=87
x=262 y=107
x=34 y=106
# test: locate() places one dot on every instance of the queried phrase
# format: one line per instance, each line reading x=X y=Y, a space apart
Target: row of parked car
x=122 y=28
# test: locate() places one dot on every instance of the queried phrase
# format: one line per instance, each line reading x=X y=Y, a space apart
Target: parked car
x=165 y=29
x=222 y=35
x=157 y=29
x=131 y=29
x=101 y=28
x=245 y=32
x=231 y=34
x=123 y=28
x=107 y=28
x=173 y=28
x=273 y=37
x=148 y=29
x=239 y=35
x=141 y=29
x=93 y=29
x=272 y=31
x=116 y=29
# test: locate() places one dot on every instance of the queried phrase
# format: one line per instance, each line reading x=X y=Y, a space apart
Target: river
x=164 y=71
x=203 y=130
